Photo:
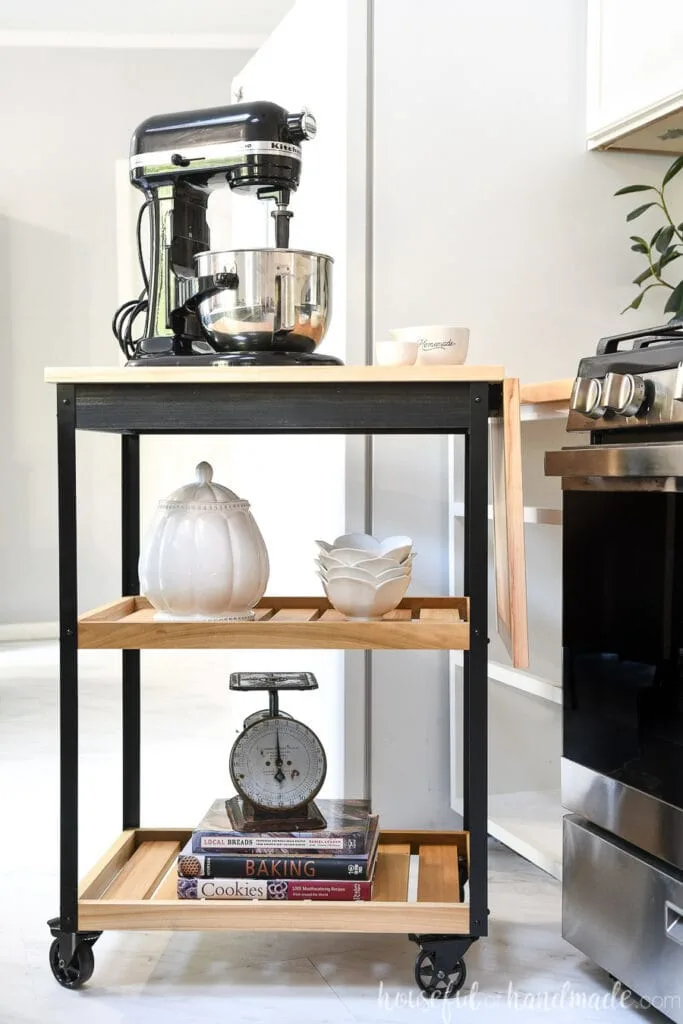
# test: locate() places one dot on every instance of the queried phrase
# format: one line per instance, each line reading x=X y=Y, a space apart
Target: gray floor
x=523 y=971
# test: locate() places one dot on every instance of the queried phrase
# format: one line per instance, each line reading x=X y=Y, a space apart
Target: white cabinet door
x=635 y=72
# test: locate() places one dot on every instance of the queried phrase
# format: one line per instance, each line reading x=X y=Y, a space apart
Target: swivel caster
x=78 y=971
x=435 y=982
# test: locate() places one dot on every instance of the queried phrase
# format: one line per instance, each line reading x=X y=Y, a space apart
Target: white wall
x=488 y=213
x=66 y=116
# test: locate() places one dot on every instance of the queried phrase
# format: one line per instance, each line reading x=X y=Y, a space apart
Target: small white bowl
x=395 y=353
x=398 y=548
x=328 y=561
x=351 y=572
x=350 y=556
x=375 y=566
x=374 y=547
x=394 y=574
x=358 y=599
x=354 y=572
x=363 y=541
x=437 y=344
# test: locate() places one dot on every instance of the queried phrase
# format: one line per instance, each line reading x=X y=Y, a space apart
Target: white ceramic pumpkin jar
x=204 y=557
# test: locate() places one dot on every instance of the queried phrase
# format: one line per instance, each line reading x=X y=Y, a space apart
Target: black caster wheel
x=80 y=969
x=438 y=984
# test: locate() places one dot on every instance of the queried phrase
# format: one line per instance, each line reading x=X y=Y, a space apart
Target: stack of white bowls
x=364 y=578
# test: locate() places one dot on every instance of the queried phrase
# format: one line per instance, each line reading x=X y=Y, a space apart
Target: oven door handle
x=646 y=461
x=673 y=923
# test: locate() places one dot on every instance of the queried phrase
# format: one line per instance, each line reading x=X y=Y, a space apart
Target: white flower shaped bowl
x=354 y=572
x=360 y=599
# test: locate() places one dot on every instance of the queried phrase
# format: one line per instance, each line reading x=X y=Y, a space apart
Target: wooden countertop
x=269 y=374
x=546 y=391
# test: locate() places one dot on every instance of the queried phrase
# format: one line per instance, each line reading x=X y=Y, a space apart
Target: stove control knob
x=587 y=397
x=301 y=126
x=624 y=393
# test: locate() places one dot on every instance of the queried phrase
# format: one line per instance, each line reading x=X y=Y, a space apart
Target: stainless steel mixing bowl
x=281 y=299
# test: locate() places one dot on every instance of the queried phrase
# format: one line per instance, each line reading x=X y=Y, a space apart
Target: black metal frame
x=460 y=407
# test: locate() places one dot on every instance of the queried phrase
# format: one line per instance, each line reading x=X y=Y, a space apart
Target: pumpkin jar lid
x=203 y=493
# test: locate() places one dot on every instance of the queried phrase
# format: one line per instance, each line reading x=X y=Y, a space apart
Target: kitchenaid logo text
x=281 y=147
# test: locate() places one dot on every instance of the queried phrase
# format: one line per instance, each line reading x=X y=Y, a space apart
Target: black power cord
x=126 y=315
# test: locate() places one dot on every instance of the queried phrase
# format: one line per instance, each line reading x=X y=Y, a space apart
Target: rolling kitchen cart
x=133 y=885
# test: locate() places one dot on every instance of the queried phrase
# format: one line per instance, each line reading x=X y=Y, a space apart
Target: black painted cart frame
x=335 y=400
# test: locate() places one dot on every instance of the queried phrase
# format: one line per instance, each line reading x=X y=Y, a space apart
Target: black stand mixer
x=241 y=306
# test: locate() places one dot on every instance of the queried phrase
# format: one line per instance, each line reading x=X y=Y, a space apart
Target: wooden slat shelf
x=133 y=888
x=419 y=623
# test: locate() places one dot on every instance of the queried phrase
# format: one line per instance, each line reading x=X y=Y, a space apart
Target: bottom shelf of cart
x=418 y=887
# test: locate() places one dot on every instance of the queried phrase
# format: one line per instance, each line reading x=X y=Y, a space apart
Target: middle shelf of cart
x=419 y=623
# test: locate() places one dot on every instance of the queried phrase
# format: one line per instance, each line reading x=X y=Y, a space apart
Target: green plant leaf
x=634 y=188
x=638 y=210
x=639 y=248
x=669 y=256
x=674 y=303
x=676 y=166
x=636 y=302
x=645 y=274
x=639 y=298
x=653 y=240
x=664 y=240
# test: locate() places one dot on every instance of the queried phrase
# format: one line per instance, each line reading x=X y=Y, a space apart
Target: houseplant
x=665 y=245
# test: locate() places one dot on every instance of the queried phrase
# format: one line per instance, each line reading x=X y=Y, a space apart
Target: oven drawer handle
x=629 y=460
x=673 y=923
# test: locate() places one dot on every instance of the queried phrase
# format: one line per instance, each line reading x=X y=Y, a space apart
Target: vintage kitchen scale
x=277 y=764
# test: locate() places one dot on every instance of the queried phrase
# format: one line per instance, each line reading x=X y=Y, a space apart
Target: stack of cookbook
x=334 y=863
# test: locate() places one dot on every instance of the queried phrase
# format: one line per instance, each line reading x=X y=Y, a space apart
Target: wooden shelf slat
x=391 y=873
x=439 y=878
x=143 y=893
x=419 y=623
x=439 y=615
x=140 y=876
x=168 y=887
x=108 y=866
x=296 y=615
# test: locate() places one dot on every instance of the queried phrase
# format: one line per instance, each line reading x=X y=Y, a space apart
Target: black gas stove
x=633 y=380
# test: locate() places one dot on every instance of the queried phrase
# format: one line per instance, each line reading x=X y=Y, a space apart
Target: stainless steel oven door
x=619 y=467
x=622 y=636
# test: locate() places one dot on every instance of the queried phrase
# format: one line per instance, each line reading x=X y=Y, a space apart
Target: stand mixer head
x=201 y=306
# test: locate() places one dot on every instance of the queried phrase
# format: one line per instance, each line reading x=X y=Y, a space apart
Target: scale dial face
x=278 y=763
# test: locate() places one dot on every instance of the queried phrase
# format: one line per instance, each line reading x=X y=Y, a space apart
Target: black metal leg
x=68 y=659
x=475 y=676
x=466 y=654
x=440 y=969
x=130 y=552
x=71 y=957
